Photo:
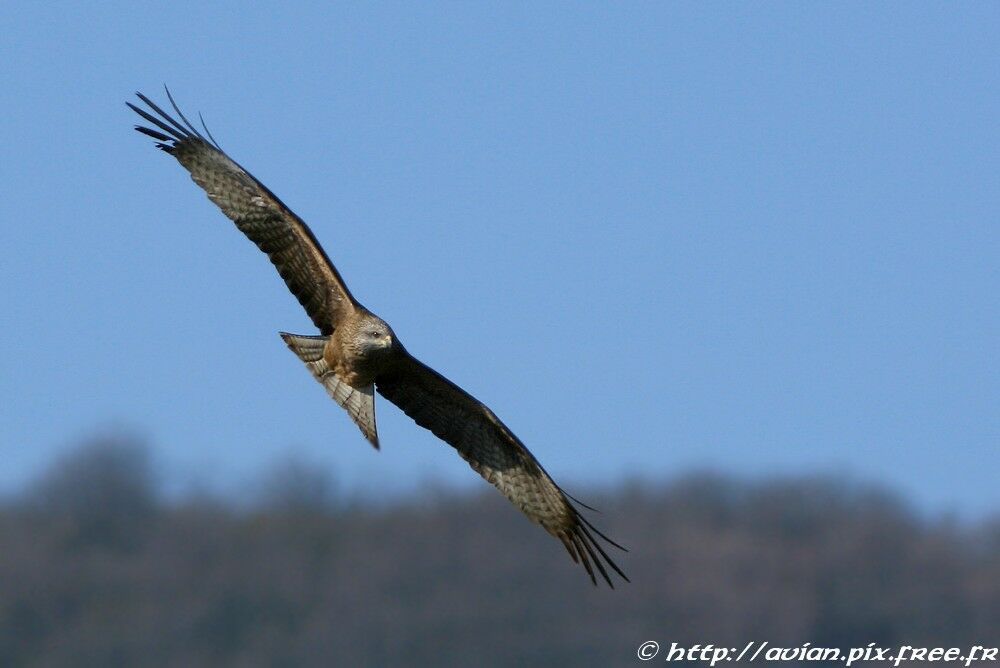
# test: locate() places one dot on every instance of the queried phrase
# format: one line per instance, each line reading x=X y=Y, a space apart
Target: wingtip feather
x=590 y=541
x=583 y=558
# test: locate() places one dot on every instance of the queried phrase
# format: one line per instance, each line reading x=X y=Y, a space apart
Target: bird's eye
x=373 y=333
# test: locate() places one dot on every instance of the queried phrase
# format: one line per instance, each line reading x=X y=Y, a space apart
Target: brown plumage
x=357 y=352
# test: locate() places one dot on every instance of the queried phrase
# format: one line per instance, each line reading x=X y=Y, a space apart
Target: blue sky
x=757 y=238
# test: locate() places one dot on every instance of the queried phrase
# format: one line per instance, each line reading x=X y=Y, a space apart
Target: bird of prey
x=357 y=354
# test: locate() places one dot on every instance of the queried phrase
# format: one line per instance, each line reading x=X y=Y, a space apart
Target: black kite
x=357 y=353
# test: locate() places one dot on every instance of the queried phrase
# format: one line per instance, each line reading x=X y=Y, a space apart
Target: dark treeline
x=96 y=569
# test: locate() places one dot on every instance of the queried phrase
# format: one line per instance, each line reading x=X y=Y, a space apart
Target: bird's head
x=373 y=336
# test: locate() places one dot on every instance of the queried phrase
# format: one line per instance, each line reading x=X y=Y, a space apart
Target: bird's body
x=357 y=354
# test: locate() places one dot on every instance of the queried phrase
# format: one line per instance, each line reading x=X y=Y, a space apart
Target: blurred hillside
x=99 y=570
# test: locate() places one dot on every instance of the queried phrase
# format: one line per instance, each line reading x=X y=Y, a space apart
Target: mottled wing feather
x=493 y=451
x=259 y=214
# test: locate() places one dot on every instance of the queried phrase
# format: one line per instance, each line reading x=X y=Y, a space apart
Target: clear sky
x=651 y=236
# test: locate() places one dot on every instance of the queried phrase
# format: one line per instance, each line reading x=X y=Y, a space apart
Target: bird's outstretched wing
x=465 y=423
x=260 y=215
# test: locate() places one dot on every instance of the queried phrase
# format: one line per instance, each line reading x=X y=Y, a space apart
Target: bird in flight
x=357 y=354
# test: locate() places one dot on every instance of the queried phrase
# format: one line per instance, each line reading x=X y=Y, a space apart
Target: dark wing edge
x=493 y=451
x=257 y=212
